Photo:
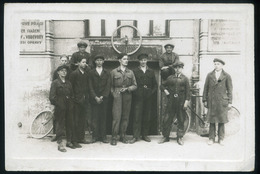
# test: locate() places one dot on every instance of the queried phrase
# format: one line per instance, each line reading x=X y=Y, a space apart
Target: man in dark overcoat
x=80 y=86
x=217 y=97
x=146 y=87
x=166 y=61
x=99 y=86
x=177 y=90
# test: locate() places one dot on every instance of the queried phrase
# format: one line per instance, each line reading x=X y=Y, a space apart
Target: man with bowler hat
x=99 y=86
x=146 y=87
x=166 y=61
x=123 y=83
x=217 y=97
x=177 y=90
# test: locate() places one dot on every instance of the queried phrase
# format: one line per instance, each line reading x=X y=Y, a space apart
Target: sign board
x=32 y=35
x=224 y=35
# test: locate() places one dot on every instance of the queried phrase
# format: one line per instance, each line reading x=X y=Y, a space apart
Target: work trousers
x=99 y=117
x=142 y=115
x=121 y=111
x=174 y=108
x=64 y=121
x=80 y=113
x=221 y=131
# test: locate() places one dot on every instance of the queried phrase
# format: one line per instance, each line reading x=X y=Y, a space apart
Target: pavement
x=32 y=154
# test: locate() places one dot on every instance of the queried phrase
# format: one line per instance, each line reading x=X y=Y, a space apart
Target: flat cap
x=120 y=56
x=62 y=67
x=99 y=56
x=179 y=63
x=142 y=56
x=169 y=45
x=219 y=60
x=82 y=44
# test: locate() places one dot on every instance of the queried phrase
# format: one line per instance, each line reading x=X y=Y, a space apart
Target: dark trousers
x=80 y=112
x=121 y=111
x=99 y=117
x=142 y=116
x=221 y=131
x=64 y=122
x=166 y=73
x=174 y=107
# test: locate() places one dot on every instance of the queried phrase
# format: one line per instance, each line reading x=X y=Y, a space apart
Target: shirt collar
x=119 y=69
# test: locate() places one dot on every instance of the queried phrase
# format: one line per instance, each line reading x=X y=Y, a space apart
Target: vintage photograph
x=129 y=87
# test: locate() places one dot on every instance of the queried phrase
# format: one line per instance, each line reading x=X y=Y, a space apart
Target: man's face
x=143 y=62
x=99 y=62
x=82 y=49
x=178 y=69
x=218 y=66
x=63 y=60
x=168 y=49
x=62 y=72
x=82 y=63
x=124 y=61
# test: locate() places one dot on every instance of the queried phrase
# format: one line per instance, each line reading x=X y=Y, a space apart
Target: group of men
x=81 y=84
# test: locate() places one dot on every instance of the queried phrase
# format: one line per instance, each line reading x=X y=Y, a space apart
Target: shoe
x=61 y=148
x=210 y=142
x=221 y=142
x=113 y=142
x=133 y=141
x=180 y=141
x=164 y=139
x=70 y=145
x=145 y=138
x=104 y=140
x=76 y=145
x=84 y=142
x=123 y=140
x=53 y=139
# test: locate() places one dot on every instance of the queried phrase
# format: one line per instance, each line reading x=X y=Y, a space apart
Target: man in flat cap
x=177 y=89
x=99 y=86
x=64 y=60
x=146 y=87
x=77 y=56
x=61 y=96
x=123 y=83
x=166 y=60
x=217 y=97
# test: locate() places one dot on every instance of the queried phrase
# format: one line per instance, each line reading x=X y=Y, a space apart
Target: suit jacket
x=99 y=85
x=218 y=94
x=168 y=59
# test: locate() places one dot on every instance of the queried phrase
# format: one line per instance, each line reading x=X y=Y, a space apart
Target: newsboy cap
x=62 y=67
x=120 y=56
x=82 y=44
x=219 y=60
x=99 y=56
x=171 y=45
x=142 y=56
x=179 y=64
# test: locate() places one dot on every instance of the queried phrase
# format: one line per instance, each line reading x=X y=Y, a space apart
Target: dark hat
x=62 y=67
x=219 y=60
x=142 y=56
x=169 y=45
x=82 y=43
x=179 y=63
x=99 y=56
x=120 y=56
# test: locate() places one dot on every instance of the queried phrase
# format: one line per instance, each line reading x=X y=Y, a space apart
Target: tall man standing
x=177 y=89
x=99 y=85
x=166 y=61
x=79 y=81
x=77 y=56
x=217 y=97
x=146 y=87
x=122 y=84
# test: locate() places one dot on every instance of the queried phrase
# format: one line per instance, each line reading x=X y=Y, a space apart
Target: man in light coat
x=217 y=97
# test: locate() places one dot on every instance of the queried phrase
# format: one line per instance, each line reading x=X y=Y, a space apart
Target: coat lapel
x=222 y=75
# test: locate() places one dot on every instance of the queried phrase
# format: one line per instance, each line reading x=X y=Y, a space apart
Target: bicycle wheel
x=186 y=123
x=42 y=124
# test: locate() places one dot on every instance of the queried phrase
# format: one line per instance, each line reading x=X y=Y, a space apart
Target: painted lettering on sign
x=224 y=35
x=32 y=36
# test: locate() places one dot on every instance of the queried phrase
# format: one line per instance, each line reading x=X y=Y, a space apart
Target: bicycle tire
x=186 y=122
x=42 y=125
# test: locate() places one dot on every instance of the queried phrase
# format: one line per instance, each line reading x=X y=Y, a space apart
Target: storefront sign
x=32 y=35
